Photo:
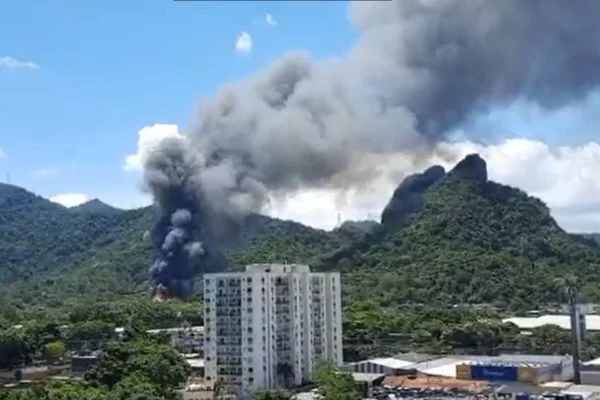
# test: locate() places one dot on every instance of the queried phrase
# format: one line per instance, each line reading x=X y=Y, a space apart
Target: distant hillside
x=95 y=206
x=37 y=235
x=593 y=236
x=445 y=238
x=50 y=254
x=467 y=240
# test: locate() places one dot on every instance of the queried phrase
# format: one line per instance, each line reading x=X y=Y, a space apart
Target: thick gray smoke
x=419 y=69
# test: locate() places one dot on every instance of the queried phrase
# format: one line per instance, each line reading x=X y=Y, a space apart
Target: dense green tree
x=335 y=384
x=273 y=394
x=91 y=330
x=54 y=351
x=138 y=387
x=14 y=348
x=145 y=357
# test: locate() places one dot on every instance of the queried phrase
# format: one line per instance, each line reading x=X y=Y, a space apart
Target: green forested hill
x=463 y=239
x=37 y=236
x=50 y=255
x=474 y=241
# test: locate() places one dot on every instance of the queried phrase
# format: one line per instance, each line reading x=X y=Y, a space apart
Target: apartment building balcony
x=230 y=340
x=229 y=372
x=229 y=332
x=227 y=362
x=232 y=312
x=228 y=293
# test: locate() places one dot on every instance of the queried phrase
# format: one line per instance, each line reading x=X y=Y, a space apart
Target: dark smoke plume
x=419 y=69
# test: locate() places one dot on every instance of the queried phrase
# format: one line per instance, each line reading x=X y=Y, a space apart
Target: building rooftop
x=424 y=382
x=563 y=320
x=415 y=357
x=366 y=377
x=585 y=391
x=446 y=369
x=390 y=362
x=177 y=329
x=446 y=366
x=595 y=362
x=278 y=268
x=195 y=362
x=197 y=328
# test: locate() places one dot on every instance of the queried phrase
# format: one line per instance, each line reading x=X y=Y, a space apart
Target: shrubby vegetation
x=139 y=367
x=88 y=326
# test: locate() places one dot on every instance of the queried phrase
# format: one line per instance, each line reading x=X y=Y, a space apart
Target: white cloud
x=148 y=138
x=2 y=154
x=270 y=20
x=244 y=43
x=565 y=178
x=127 y=200
x=70 y=199
x=46 y=173
x=13 y=63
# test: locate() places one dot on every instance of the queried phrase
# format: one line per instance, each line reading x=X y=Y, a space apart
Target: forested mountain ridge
x=50 y=254
x=471 y=241
x=445 y=238
x=95 y=206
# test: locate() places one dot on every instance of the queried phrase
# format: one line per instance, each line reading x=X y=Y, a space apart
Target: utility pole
x=572 y=295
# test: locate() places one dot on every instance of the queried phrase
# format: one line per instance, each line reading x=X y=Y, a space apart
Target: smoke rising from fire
x=419 y=69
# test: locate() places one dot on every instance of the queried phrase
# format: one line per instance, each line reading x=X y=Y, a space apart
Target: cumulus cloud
x=563 y=177
x=13 y=63
x=70 y=199
x=46 y=173
x=244 y=43
x=270 y=20
x=148 y=138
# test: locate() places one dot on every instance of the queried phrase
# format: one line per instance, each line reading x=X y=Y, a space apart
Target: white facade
x=269 y=326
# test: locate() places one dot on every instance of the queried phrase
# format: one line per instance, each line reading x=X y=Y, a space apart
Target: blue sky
x=108 y=68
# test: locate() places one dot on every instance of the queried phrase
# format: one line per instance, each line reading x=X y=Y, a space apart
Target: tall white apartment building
x=269 y=326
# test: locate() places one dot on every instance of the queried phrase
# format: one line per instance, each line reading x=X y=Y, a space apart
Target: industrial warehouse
x=506 y=375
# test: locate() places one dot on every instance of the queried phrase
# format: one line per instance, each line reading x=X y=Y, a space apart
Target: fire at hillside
x=419 y=71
